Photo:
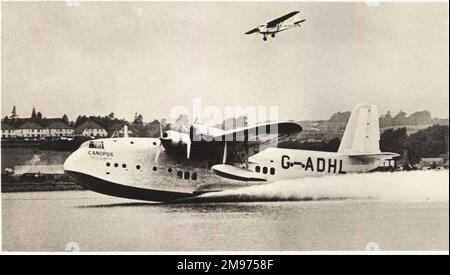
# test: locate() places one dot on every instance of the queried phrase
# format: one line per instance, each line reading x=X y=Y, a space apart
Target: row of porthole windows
x=132 y=142
x=117 y=165
x=180 y=175
x=186 y=175
x=138 y=167
x=265 y=170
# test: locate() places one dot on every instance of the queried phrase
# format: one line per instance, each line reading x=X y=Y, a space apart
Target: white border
x=219 y=252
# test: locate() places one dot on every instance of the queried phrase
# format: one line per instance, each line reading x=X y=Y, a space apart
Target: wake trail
x=398 y=186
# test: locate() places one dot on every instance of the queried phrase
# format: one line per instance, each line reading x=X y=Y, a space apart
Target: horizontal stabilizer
x=299 y=22
x=236 y=173
x=382 y=155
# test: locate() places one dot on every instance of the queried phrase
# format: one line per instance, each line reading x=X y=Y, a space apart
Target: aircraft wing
x=200 y=136
x=283 y=18
x=253 y=31
x=265 y=129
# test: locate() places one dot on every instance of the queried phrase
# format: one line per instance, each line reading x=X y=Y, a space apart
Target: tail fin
x=362 y=134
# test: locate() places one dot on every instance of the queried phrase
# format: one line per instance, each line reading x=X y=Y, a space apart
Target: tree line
x=427 y=143
x=138 y=126
x=417 y=118
x=35 y=116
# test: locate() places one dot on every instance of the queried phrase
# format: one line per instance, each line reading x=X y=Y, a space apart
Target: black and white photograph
x=219 y=127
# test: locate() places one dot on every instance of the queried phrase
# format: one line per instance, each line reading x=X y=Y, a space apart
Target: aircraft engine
x=173 y=140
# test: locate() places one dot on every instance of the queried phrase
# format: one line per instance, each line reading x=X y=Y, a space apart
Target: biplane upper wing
x=283 y=18
x=251 y=133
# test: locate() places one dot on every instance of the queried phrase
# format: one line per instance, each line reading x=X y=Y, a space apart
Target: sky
x=149 y=57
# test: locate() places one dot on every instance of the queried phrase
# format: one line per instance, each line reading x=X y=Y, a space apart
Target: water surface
x=48 y=221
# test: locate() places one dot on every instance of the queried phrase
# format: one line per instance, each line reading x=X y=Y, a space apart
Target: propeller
x=225 y=149
x=175 y=139
x=246 y=151
x=160 y=145
x=188 y=148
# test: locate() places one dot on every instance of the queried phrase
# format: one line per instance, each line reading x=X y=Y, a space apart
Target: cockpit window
x=96 y=144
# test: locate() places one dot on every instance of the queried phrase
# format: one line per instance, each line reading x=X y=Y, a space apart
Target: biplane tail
x=299 y=22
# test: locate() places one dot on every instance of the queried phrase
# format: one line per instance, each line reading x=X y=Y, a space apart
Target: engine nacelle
x=199 y=132
x=174 y=138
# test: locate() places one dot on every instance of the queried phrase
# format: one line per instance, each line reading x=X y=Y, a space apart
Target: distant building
x=432 y=163
x=445 y=158
x=8 y=132
x=27 y=128
x=90 y=129
x=30 y=130
x=57 y=128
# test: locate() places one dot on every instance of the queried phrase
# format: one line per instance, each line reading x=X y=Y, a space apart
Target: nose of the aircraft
x=71 y=163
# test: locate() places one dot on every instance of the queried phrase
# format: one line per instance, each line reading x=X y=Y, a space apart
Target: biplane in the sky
x=277 y=25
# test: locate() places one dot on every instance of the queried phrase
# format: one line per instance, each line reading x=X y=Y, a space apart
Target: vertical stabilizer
x=362 y=134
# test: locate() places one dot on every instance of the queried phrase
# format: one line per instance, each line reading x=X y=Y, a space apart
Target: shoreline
x=45 y=186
